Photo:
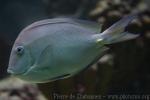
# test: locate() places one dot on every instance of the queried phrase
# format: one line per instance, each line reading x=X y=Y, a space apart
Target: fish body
x=58 y=48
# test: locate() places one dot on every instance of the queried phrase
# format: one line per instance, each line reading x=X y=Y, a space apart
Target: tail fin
x=116 y=33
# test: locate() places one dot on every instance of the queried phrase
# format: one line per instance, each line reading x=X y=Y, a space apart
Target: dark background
x=124 y=70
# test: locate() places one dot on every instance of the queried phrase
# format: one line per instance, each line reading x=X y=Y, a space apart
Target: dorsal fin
x=88 y=24
x=96 y=27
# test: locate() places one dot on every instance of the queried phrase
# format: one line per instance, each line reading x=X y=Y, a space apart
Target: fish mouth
x=15 y=73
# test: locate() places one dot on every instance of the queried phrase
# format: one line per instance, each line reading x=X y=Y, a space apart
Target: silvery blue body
x=58 y=48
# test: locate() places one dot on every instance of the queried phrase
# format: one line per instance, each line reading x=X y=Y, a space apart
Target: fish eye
x=19 y=50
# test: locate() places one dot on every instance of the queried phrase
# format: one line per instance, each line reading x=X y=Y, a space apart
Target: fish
x=58 y=48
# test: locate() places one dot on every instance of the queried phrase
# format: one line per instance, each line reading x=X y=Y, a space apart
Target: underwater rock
x=15 y=89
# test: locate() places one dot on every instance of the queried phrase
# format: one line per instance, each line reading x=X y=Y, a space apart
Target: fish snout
x=10 y=71
x=14 y=72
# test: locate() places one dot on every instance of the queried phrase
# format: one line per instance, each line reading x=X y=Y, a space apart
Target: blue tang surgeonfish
x=58 y=48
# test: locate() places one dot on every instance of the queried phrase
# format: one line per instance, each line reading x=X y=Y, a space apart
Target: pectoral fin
x=44 y=58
